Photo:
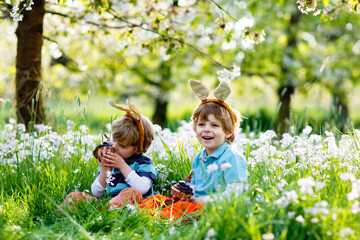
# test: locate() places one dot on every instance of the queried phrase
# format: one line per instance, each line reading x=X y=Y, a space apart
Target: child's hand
x=113 y=160
x=101 y=163
x=198 y=200
x=104 y=150
x=188 y=178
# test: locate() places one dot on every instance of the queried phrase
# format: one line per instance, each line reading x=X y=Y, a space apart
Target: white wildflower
x=314 y=220
x=345 y=232
x=306 y=131
x=109 y=177
x=306 y=185
x=355 y=207
x=84 y=129
x=225 y=165
x=210 y=234
x=268 y=236
x=291 y=214
x=317 y=210
x=347 y=176
x=287 y=198
x=300 y=219
x=212 y=167
x=286 y=140
x=355 y=190
x=21 y=128
x=319 y=185
x=131 y=208
x=322 y=203
x=172 y=230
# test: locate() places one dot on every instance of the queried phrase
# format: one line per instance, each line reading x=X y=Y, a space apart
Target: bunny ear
x=135 y=111
x=120 y=107
x=199 y=89
x=222 y=91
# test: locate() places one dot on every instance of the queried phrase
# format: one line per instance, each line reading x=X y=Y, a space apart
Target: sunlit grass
x=302 y=187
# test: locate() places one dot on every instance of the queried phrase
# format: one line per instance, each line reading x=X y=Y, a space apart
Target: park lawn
x=305 y=186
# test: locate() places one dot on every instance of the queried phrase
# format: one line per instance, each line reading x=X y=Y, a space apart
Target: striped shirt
x=142 y=165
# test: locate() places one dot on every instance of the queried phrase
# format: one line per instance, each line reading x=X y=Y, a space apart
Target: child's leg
x=155 y=202
x=77 y=197
x=179 y=209
x=126 y=196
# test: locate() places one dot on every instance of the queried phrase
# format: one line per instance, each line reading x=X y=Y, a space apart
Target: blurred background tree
x=138 y=25
x=149 y=49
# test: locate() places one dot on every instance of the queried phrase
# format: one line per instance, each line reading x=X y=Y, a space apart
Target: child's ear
x=227 y=135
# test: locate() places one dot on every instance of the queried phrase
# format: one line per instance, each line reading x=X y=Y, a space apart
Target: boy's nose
x=207 y=127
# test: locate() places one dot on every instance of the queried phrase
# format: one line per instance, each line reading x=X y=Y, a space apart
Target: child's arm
x=98 y=186
x=200 y=200
x=103 y=170
x=143 y=184
x=116 y=161
x=188 y=178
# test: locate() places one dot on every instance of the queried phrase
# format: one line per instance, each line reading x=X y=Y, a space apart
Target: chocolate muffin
x=181 y=190
x=105 y=145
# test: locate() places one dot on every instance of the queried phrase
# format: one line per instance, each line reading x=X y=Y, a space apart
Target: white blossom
x=300 y=219
x=212 y=167
x=268 y=236
x=225 y=165
x=306 y=185
x=345 y=232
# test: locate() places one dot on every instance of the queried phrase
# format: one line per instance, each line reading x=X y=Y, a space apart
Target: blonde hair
x=125 y=131
x=220 y=113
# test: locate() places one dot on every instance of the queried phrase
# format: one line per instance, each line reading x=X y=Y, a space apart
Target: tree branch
x=144 y=77
x=222 y=9
x=101 y=25
x=133 y=25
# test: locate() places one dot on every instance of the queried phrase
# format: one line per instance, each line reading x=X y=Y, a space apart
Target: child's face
x=122 y=150
x=211 y=134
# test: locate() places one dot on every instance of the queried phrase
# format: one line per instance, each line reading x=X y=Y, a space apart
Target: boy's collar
x=133 y=158
x=216 y=154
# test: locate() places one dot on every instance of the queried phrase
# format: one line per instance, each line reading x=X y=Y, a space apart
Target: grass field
x=305 y=186
x=95 y=112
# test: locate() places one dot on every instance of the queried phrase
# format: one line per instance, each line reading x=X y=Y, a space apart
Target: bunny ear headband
x=135 y=114
x=221 y=93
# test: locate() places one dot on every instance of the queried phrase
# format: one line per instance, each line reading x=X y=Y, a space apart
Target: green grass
x=95 y=112
x=33 y=187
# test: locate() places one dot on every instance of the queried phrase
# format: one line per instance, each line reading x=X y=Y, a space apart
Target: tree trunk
x=159 y=116
x=341 y=110
x=28 y=65
x=287 y=88
x=162 y=100
x=284 y=94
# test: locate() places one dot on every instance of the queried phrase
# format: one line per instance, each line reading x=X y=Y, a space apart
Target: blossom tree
x=297 y=45
x=30 y=15
x=140 y=26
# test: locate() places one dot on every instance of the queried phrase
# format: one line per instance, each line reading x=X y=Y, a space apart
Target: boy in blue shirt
x=217 y=170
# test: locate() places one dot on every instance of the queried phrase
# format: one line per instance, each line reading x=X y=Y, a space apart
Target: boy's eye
x=201 y=124
x=215 y=125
